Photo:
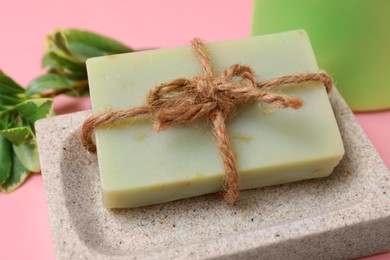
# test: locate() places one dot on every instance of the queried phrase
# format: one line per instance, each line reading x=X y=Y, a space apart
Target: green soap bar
x=351 y=39
x=141 y=167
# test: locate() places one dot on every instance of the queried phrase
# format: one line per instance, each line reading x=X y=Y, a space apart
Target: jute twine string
x=207 y=96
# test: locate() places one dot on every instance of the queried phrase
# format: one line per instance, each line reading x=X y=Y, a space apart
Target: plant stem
x=78 y=85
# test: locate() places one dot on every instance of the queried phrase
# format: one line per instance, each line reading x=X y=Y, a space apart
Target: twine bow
x=207 y=96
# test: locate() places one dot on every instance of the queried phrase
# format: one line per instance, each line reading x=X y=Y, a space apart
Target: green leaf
x=47 y=62
x=5 y=159
x=18 y=175
x=11 y=93
x=62 y=58
x=82 y=51
x=46 y=82
x=85 y=44
x=24 y=145
x=64 y=65
x=58 y=41
x=28 y=155
x=9 y=86
x=5 y=107
x=35 y=109
x=17 y=135
x=9 y=100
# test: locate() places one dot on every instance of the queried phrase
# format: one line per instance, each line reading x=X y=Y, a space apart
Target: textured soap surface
x=140 y=167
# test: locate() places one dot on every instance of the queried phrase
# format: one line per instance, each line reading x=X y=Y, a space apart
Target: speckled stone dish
x=346 y=215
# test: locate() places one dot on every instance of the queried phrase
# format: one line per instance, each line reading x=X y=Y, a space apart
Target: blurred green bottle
x=351 y=40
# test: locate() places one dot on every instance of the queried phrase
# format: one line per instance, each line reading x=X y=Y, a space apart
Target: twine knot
x=182 y=100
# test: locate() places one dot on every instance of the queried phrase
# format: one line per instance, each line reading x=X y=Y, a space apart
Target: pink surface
x=24 y=223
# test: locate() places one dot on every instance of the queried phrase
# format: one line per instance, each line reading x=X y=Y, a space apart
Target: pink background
x=24 y=223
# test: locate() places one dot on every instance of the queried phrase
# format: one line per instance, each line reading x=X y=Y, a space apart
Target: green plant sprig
x=65 y=57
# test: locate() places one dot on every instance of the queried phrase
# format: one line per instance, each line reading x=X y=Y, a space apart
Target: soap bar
x=364 y=83
x=141 y=167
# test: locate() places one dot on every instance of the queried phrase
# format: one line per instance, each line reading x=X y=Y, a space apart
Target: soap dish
x=345 y=215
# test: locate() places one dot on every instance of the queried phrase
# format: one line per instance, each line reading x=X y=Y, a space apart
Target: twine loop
x=215 y=97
